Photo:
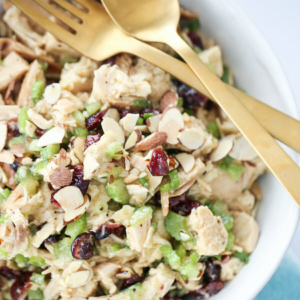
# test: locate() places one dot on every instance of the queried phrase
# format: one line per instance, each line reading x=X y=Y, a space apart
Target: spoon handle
x=274 y=121
x=281 y=165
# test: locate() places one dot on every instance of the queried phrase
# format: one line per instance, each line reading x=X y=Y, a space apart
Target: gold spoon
x=157 y=21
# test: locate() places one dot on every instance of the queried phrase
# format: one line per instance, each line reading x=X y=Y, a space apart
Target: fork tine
x=58 y=14
x=71 y=8
x=55 y=29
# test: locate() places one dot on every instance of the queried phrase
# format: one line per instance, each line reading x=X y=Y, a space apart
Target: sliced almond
x=62 y=159
x=171 y=123
x=242 y=150
x=30 y=128
x=142 y=128
x=138 y=194
x=52 y=93
x=133 y=139
x=164 y=203
x=112 y=113
x=191 y=138
x=77 y=279
x=39 y=120
x=109 y=124
x=129 y=122
x=69 y=198
x=170 y=98
x=152 y=123
x=6 y=157
x=3 y=135
x=61 y=177
x=224 y=147
x=66 y=106
x=8 y=112
x=53 y=136
x=186 y=160
x=75 y=213
x=152 y=141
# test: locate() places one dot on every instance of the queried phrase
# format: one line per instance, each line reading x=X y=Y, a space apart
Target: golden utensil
x=98 y=38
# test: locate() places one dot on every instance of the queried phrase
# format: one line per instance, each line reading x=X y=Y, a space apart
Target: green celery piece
x=37 y=261
x=140 y=215
x=194 y=256
x=33 y=147
x=180 y=102
x=43 y=65
x=19 y=140
x=21 y=259
x=188 y=111
x=78 y=116
x=175 y=180
x=230 y=241
x=3 y=254
x=33 y=229
x=213 y=128
x=226 y=74
x=37 y=90
x=165 y=187
x=7 y=296
x=235 y=171
x=39 y=279
x=136 y=292
x=76 y=227
x=147 y=115
x=35 y=295
x=227 y=221
x=144 y=182
x=218 y=207
x=242 y=256
x=3 y=218
x=140 y=121
x=30 y=184
x=23 y=116
x=194 y=24
x=118 y=191
x=40 y=165
x=23 y=172
x=180 y=251
x=80 y=132
x=4 y=195
x=93 y=107
x=114 y=247
x=174 y=260
x=154 y=225
x=62 y=250
x=49 y=151
x=68 y=58
x=142 y=103
x=100 y=207
x=226 y=162
x=116 y=171
x=114 y=150
x=177 y=227
x=189 y=270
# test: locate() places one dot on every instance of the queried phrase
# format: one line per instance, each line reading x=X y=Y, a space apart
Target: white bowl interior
x=258 y=72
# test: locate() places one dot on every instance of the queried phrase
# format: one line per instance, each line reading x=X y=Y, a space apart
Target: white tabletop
x=279 y=21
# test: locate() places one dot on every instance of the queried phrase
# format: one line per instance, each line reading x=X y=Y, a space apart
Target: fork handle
x=274 y=121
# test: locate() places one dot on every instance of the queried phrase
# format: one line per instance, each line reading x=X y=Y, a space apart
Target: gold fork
x=98 y=37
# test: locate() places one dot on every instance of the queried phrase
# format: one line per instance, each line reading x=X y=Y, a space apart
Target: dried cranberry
x=78 y=179
x=20 y=286
x=191 y=98
x=171 y=296
x=127 y=282
x=83 y=246
x=111 y=60
x=15 y=166
x=208 y=290
x=13 y=128
x=195 y=39
x=39 y=132
x=93 y=122
x=107 y=229
x=149 y=110
x=212 y=271
x=91 y=139
x=9 y=273
x=123 y=113
x=52 y=239
x=158 y=165
x=53 y=201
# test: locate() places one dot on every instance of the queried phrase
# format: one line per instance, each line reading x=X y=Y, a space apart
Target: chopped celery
x=118 y=191
x=37 y=90
x=23 y=116
x=213 y=128
x=62 y=250
x=175 y=180
x=189 y=270
x=93 y=107
x=41 y=165
x=188 y=111
x=165 y=187
x=30 y=184
x=218 y=207
x=226 y=162
x=21 y=259
x=180 y=102
x=154 y=225
x=68 y=58
x=180 y=250
x=78 y=116
x=193 y=24
x=230 y=241
x=76 y=227
x=144 y=182
x=4 y=195
x=235 y=171
x=49 y=151
x=194 y=256
x=3 y=218
x=23 y=172
x=171 y=256
x=100 y=207
x=142 y=103
x=18 y=140
x=80 y=132
x=114 y=247
x=33 y=147
x=140 y=121
x=43 y=65
x=38 y=279
x=3 y=254
x=33 y=229
x=37 y=261
x=116 y=171
x=227 y=221
x=35 y=294
x=7 y=296
x=147 y=115
x=136 y=292
x=226 y=74
x=114 y=150
x=242 y=256
x=177 y=227
x=140 y=215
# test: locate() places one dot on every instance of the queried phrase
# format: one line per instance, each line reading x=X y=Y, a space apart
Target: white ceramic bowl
x=258 y=72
